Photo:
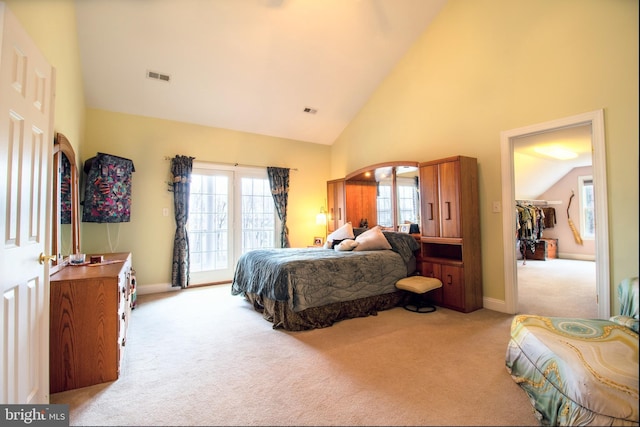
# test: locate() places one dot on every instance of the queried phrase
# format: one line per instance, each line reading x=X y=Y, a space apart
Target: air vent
x=310 y=110
x=158 y=76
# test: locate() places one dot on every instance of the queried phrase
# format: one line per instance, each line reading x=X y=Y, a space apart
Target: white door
x=26 y=141
x=231 y=211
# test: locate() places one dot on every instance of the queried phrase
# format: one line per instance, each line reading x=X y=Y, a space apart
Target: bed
x=307 y=288
x=579 y=371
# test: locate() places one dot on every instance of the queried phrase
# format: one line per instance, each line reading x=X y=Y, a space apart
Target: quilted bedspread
x=576 y=371
x=313 y=277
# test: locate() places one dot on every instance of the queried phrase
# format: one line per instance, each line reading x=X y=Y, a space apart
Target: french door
x=231 y=211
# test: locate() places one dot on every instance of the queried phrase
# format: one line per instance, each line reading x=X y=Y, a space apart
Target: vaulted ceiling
x=246 y=65
x=257 y=65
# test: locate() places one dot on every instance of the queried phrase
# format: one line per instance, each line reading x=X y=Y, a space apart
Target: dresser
x=89 y=314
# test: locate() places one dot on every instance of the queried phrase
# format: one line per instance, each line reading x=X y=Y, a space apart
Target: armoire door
x=430 y=207
x=449 y=183
x=335 y=204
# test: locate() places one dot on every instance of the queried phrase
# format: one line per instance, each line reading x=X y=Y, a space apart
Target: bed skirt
x=280 y=314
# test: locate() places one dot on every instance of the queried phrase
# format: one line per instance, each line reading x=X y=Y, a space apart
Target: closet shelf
x=539 y=202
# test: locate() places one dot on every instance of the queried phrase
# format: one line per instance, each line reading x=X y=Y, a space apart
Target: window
x=407 y=202
x=230 y=213
x=258 y=214
x=208 y=224
x=383 y=204
x=587 y=208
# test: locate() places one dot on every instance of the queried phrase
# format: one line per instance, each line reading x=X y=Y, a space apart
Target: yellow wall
x=149 y=235
x=52 y=26
x=483 y=67
x=486 y=66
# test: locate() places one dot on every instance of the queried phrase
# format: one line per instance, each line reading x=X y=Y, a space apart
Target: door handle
x=46 y=258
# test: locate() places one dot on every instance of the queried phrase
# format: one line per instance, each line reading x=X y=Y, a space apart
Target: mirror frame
x=367 y=174
x=61 y=145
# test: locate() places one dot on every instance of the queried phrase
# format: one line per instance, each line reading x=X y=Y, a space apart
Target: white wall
x=567 y=246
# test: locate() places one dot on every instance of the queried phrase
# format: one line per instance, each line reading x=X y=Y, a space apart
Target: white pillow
x=346 y=245
x=372 y=240
x=344 y=232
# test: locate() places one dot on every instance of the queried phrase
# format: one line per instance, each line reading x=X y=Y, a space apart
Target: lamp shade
x=321 y=218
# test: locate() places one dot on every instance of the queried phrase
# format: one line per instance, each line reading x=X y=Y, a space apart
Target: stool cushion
x=418 y=284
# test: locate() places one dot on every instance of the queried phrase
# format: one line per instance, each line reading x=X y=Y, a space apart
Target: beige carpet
x=204 y=357
x=558 y=287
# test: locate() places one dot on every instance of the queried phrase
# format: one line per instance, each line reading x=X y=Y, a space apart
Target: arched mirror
x=385 y=194
x=66 y=228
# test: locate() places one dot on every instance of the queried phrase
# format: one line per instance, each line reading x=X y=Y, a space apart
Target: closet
x=533 y=217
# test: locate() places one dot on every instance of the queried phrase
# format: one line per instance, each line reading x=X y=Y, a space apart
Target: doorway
x=595 y=121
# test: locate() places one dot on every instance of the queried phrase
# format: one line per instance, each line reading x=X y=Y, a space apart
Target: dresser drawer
x=89 y=315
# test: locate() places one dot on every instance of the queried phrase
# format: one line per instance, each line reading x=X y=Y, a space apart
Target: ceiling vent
x=158 y=76
x=310 y=110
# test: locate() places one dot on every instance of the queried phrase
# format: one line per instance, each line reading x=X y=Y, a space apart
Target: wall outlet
x=165 y=211
x=496 y=207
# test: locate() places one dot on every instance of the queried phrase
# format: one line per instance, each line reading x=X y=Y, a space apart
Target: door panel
x=26 y=142
x=453 y=286
x=449 y=198
x=430 y=206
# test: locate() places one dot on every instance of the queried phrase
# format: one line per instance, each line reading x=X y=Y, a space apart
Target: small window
x=587 y=208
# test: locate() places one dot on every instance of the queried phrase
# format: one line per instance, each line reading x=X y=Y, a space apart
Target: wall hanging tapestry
x=107 y=197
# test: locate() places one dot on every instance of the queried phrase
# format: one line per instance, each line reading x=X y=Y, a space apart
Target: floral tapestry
x=107 y=197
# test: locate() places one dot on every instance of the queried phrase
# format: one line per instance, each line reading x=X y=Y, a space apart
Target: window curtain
x=181 y=167
x=279 y=182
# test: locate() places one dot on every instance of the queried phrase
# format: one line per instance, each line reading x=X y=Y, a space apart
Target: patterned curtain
x=181 y=167
x=279 y=182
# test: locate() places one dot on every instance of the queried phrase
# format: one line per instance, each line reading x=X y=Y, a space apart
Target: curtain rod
x=235 y=164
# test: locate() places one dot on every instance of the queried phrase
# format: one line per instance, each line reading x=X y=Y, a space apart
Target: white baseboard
x=577 y=257
x=495 y=305
x=155 y=288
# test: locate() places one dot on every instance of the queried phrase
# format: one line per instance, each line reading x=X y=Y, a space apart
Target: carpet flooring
x=558 y=287
x=204 y=357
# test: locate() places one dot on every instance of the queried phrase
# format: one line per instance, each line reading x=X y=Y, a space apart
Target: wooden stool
x=419 y=286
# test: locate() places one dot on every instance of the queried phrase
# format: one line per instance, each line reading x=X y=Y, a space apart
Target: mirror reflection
x=66 y=239
x=385 y=194
x=408 y=195
x=65 y=230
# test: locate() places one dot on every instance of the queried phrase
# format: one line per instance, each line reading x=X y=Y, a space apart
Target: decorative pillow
x=344 y=232
x=627 y=321
x=334 y=243
x=346 y=245
x=372 y=240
